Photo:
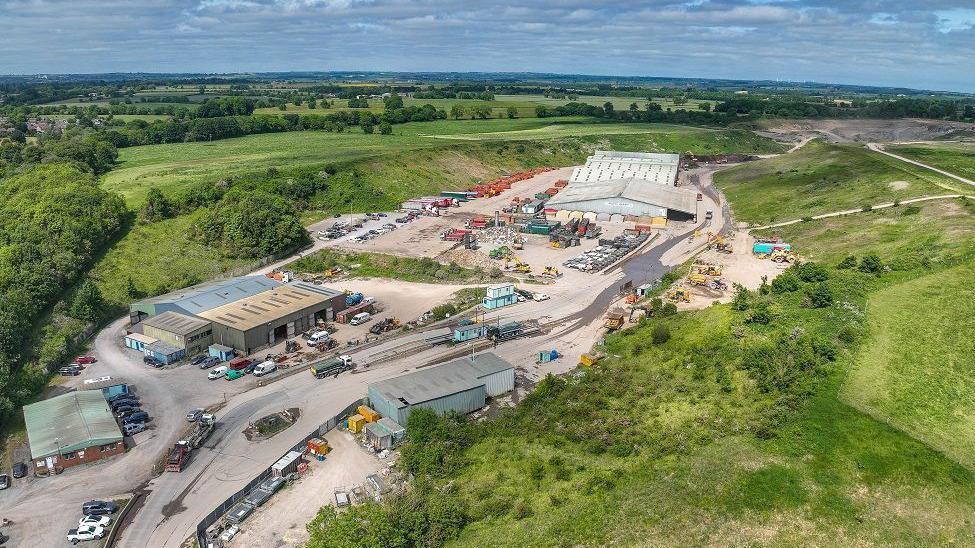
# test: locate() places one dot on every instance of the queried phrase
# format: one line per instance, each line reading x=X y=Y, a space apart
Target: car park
x=234 y=374
x=83 y=534
x=218 y=372
x=20 y=469
x=195 y=414
x=139 y=416
x=98 y=508
x=4 y=481
x=94 y=521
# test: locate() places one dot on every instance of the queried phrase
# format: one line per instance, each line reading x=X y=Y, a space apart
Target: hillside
x=957 y=158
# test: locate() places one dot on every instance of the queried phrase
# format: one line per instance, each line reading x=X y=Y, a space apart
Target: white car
x=540 y=297
x=229 y=533
x=87 y=532
x=217 y=372
x=88 y=522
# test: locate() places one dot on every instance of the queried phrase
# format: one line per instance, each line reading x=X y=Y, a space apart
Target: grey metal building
x=462 y=386
x=199 y=298
x=254 y=322
x=636 y=197
x=190 y=333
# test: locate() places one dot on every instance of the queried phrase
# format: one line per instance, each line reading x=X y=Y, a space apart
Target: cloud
x=888 y=42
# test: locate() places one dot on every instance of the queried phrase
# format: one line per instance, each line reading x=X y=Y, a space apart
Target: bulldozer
x=697 y=279
x=785 y=257
x=551 y=272
x=708 y=269
x=679 y=294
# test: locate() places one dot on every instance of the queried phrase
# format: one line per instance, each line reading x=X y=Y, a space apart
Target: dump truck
x=333 y=366
x=179 y=454
x=614 y=319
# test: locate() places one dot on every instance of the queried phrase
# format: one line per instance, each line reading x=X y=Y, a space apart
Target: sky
x=922 y=44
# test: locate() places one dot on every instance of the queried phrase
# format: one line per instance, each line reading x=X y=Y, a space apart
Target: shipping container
x=356 y=423
x=368 y=413
x=286 y=465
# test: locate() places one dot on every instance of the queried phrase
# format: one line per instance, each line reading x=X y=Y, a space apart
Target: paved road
x=877 y=147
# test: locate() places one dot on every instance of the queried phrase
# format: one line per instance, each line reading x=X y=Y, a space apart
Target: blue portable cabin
x=499 y=302
x=138 y=341
x=469 y=332
x=221 y=352
x=768 y=247
x=548 y=355
x=165 y=352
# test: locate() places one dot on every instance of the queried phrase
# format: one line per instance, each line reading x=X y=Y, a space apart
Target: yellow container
x=368 y=413
x=356 y=423
x=588 y=360
x=658 y=221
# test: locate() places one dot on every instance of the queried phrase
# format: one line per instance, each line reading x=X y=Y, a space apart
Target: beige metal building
x=266 y=318
x=187 y=332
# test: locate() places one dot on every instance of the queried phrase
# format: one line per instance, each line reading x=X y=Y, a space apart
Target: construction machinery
x=708 y=269
x=719 y=243
x=614 y=319
x=647 y=311
x=514 y=264
x=698 y=279
x=679 y=294
x=551 y=272
x=499 y=253
x=179 y=454
x=382 y=326
x=718 y=284
x=783 y=256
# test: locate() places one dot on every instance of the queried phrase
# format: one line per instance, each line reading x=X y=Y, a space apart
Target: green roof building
x=71 y=429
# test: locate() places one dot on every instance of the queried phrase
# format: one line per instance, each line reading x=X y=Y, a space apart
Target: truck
x=353 y=299
x=333 y=366
x=179 y=454
x=614 y=319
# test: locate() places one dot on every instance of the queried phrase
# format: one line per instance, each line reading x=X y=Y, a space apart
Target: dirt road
x=877 y=147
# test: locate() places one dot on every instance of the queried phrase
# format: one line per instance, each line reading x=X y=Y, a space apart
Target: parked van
x=360 y=318
x=316 y=338
x=217 y=372
x=264 y=368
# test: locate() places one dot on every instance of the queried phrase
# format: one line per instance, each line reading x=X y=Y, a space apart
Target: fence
x=212 y=517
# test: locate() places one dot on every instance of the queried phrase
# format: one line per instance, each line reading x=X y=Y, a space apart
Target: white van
x=217 y=372
x=360 y=318
x=264 y=368
x=316 y=338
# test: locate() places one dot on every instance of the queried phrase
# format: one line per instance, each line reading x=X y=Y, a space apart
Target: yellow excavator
x=708 y=269
x=679 y=294
x=514 y=264
x=551 y=272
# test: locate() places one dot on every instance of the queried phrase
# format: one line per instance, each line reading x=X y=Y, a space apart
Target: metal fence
x=223 y=508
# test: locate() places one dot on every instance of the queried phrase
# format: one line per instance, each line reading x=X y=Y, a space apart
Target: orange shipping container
x=368 y=413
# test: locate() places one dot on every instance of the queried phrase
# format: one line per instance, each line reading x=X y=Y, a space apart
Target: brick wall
x=82 y=456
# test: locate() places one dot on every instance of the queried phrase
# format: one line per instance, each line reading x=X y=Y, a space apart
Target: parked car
x=152 y=362
x=69 y=371
x=85 y=360
x=4 y=481
x=541 y=297
x=82 y=534
x=129 y=399
x=218 y=372
x=234 y=374
x=317 y=338
x=94 y=521
x=195 y=414
x=139 y=416
x=120 y=396
x=20 y=469
x=128 y=412
x=250 y=368
x=264 y=368
x=98 y=508
x=199 y=359
x=360 y=318
x=209 y=362
x=133 y=428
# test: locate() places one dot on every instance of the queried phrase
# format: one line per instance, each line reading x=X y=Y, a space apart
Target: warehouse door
x=279 y=333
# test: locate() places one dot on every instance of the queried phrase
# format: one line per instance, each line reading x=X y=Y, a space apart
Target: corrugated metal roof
x=639 y=190
x=174 y=322
x=431 y=383
x=268 y=306
x=144 y=339
x=69 y=422
x=610 y=165
x=163 y=347
x=199 y=298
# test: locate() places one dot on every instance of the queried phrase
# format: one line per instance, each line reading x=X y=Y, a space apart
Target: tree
x=608 y=107
x=393 y=102
x=512 y=113
x=742 y=299
x=385 y=128
x=87 y=303
x=367 y=125
x=680 y=100
x=312 y=104
x=706 y=107
x=634 y=107
x=283 y=107
x=850 y=261
x=156 y=207
x=481 y=111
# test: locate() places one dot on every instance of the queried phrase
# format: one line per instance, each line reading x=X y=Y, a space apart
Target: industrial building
x=267 y=317
x=189 y=333
x=609 y=165
x=462 y=386
x=628 y=197
x=199 y=298
x=71 y=429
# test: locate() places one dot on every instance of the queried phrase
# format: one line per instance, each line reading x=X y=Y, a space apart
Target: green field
x=821 y=178
x=916 y=368
x=619 y=103
x=957 y=158
x=173 y=166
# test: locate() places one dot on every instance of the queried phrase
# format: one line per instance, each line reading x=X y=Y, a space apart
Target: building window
x=109 y=447
x=71 y=455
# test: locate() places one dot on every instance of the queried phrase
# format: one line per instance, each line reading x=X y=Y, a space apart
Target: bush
x=849 y=262
x=661 y=334
x=786 y=282
x=871 y=264
x=742 y=298
x=820 y=296
x=812 y=272
x=668 y=309
x=760 y=315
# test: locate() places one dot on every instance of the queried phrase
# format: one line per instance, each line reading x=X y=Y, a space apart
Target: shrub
x=849 y=262
x=760 y=315
x=786 y=282
x=911 y=210
x=820 y=296
x=871 y=264
x=661 y=334
x=741 y=299
x=668 y=309
x=812 y=272
x=847 y=334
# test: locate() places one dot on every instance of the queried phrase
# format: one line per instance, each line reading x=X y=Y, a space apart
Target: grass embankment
x=378 y=265
x=957 y=158
x=822 y=178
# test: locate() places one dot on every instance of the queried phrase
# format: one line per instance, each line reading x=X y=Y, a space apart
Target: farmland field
x=957 y=158
x=820 y=178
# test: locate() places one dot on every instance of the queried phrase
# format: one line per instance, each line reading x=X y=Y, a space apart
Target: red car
x=85 y=360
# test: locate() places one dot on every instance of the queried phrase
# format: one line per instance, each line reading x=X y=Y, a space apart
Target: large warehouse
x=266 y=318
x=71 y=429
x=202 y=297
x=606 y=165
x=460 y=386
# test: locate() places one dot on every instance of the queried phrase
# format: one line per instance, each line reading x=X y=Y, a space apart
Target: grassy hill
x=820 y=178
x=957 y=158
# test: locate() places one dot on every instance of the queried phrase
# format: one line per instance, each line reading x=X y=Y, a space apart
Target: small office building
x=500 y=295
x=190 y=333
x=469 y=331
x=164 y=352
x=138 y=341
x=462 y=386
x=71 y=429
